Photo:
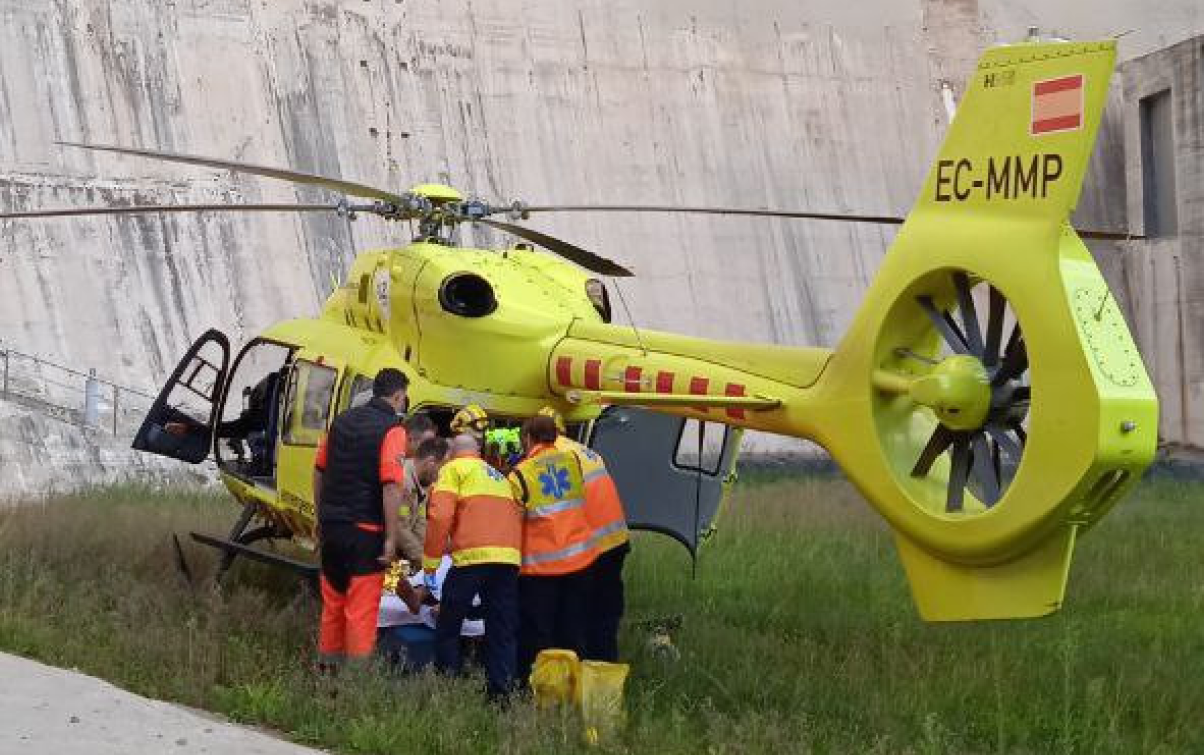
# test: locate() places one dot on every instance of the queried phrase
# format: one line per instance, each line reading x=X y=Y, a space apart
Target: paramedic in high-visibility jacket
x=358 y=478
x=472 y=516
x=557 y=545
x=609 y=535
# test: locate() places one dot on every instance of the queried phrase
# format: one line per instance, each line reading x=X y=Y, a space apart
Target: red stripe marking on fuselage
x=593 y=374
x=631 y=379
x=698 y=387
x=564 y=371
x=734 y=389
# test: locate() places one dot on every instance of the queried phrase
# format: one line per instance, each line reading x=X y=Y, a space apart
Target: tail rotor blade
x=1010 y=448
x=940 y=440
x=985 y=472
x=944 y=325
x=959 y=473
x=1020 y=433
x=1015 y=359
x=995 y=314
x=965 y=302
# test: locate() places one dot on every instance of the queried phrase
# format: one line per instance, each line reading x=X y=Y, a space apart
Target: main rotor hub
x=438 y=194
x=958 y=390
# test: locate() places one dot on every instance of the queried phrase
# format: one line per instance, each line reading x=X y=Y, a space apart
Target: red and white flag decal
x=1057 y=105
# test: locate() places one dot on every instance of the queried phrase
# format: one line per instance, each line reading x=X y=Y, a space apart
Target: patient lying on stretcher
x=406 y=622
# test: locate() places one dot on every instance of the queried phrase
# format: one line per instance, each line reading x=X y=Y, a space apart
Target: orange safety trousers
x=352 y=580
x=348 y=625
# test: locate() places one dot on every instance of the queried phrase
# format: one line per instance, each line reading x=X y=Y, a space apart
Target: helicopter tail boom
x=988 y=399
x=751 y=386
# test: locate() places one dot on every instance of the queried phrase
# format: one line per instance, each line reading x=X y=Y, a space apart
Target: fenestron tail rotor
x=983 y=453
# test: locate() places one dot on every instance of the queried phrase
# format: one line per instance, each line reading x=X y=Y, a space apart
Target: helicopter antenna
x=627 y=310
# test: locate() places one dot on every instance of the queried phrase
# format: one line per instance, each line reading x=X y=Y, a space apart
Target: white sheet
x=393 y=611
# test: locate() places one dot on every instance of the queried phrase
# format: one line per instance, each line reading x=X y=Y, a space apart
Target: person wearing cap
x=605 y=601
x=557 y=545
x=473 y=517
x=358 y=478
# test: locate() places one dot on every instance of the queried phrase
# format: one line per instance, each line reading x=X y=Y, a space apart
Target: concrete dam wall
x=827 y=106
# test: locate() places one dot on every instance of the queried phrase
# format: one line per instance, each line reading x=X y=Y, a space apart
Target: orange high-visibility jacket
x=557 y=538
x=603 y=507
x=472 y=515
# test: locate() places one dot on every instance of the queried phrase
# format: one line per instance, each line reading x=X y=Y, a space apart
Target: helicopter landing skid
x=238 y=543
x=234 y=548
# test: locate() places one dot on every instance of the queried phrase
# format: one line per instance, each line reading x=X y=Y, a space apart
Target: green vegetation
x=798 y=635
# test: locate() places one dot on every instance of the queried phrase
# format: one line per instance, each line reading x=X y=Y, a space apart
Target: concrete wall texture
x=822 y=105
x=1164 y=277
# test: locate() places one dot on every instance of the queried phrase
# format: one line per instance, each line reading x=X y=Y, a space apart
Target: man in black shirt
x=358 y=481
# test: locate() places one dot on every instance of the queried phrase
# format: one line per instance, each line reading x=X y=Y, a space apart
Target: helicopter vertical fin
x=1022 y=136
x=1026 y=587
x=994 y=210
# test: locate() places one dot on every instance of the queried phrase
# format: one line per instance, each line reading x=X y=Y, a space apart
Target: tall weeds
x=797 y=635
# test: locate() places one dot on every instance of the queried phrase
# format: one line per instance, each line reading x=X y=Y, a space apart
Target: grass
x=798 y=635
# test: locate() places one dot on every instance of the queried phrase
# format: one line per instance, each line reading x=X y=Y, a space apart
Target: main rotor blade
x=959 y=473
x=767 y=213
x=1110 y=235
x=944 y=325
x=587 y=260
x=965 y=303
x=695 y=210
x=69 y=212
x=350 y=188
x=995 y=315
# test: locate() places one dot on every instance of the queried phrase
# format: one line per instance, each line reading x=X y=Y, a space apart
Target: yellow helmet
x=471 y=418
x=548 y=411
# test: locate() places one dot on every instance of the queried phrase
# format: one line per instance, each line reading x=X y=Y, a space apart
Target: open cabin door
x=671 y=477
x=180 y=423
x=308 y=403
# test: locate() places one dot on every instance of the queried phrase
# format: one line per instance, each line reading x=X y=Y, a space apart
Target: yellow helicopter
x=988 y=398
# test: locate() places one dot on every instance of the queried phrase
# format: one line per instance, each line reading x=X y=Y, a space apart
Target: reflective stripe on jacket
x=472 y=515
x=603 y=507
x=556 y=534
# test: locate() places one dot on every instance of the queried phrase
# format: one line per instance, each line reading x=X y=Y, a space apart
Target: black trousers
x=497 y=586
x=348 y=551
x=604 y=605
x=551 y=615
